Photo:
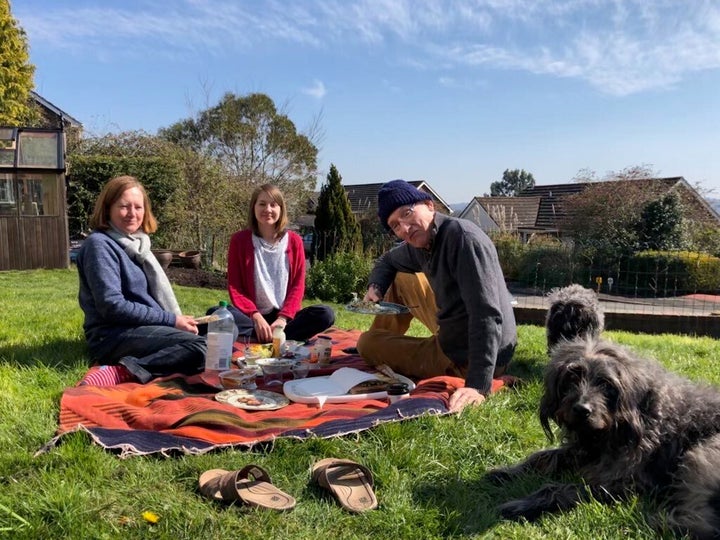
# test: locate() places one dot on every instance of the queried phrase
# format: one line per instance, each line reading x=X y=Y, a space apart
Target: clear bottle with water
x=221 y=335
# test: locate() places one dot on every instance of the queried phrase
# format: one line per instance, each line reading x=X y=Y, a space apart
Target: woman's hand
x=263 y=331
x=186 y=323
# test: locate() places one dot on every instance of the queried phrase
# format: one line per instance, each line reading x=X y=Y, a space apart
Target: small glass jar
x=323 y=349
x=398 y=391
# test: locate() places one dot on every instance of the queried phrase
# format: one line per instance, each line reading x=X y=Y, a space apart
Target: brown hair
x=110 y=193
x=277 y=196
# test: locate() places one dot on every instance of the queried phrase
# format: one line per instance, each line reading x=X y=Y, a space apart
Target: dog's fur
x=628 y=426
x=574 y=312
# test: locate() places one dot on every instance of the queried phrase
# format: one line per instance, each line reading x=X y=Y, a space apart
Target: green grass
x=428 y=471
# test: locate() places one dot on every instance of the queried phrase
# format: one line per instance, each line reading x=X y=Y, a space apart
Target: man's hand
x=464 y=397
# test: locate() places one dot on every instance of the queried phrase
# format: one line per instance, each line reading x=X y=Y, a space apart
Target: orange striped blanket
x=178 y=414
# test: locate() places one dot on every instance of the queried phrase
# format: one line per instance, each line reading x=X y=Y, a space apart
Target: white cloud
x=317 y=90
x=619 y=47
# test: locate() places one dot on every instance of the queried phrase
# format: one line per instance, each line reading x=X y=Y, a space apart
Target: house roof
x=363 y=197
x=518 y=212
x=68 y=120
x=553 y=204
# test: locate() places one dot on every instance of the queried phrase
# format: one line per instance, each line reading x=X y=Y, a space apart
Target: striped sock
x=107 y=376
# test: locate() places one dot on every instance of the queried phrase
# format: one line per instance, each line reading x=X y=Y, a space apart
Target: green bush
x=547 y=265
x=338 y=276
x=668 y=273
x=510 y=250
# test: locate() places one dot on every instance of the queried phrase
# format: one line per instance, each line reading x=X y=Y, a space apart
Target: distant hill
x=715 y=203
x=460 y=206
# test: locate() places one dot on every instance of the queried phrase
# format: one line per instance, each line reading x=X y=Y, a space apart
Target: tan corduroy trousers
x=386 y=342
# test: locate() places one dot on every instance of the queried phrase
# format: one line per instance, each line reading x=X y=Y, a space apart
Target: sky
x=453 y=92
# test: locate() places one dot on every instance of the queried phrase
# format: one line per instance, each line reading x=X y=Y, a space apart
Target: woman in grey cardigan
x=133 y=323
x=447 y=271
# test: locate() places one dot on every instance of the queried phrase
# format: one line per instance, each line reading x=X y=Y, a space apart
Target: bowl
x=238 y=378
x=300 y=370
x=273 y=366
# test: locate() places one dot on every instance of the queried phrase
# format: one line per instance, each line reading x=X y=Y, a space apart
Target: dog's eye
x=609 y=390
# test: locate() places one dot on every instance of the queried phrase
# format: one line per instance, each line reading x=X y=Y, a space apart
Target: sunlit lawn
x=428 y=471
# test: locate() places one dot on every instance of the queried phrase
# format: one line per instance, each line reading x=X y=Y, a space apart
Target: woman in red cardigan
x=266 y=274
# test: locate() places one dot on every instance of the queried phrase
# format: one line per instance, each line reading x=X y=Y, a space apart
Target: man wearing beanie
x=447 y=271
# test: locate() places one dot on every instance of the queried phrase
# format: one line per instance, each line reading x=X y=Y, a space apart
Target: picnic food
x=379 y=384
x=260 y=351
x=366 y=305
x=238 y=378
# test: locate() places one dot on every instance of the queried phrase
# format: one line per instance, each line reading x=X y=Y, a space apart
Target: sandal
x=250 y=485
x=350 y=483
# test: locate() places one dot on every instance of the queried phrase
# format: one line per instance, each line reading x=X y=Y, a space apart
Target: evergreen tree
x=336 y=228
x=16 y=72
x=512 y=183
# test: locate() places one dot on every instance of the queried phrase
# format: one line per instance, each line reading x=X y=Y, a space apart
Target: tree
x=336 y=228
x=254 y=143
x=195 y=205
x=16 y=72
x=661 y=224
x=622 y=214
x=512 y=183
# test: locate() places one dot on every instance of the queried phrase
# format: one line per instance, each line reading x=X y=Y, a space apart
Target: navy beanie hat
x=395 y=194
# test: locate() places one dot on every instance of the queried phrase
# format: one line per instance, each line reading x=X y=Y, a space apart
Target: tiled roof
x=519 y=212
x=554 y=196
x=363 y=197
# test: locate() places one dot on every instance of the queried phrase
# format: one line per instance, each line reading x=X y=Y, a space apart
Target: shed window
x=38 y=194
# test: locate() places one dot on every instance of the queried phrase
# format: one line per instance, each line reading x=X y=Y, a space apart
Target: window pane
x=39 y=150
x=8 y=206
x=38 y=194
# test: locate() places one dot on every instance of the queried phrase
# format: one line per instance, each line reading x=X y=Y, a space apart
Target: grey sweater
x=475 y=317
x=114 y=292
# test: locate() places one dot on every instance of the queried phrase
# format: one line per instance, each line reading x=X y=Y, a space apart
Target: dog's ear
x=550 y=401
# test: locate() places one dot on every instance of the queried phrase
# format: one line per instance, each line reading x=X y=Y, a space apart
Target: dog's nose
x=582 y=409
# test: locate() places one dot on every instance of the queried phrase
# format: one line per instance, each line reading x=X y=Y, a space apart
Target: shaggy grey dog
x=574 y=312
x=628 y=425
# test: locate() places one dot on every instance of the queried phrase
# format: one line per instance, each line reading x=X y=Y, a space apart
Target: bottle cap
x=222 y=303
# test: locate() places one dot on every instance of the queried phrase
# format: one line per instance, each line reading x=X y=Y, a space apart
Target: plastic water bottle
x=221 y=335
x=278 y=340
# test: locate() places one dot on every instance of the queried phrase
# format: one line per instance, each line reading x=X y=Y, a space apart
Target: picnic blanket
x=178 y=413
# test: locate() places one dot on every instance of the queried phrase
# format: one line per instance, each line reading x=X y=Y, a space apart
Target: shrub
x=547 y=265
x=338 y=276
x=510 y=251
x=669 y=273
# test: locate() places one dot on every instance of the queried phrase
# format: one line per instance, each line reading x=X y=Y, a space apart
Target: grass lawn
x=428 y=472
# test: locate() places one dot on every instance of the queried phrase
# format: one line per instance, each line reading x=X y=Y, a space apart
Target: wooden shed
x=33 y=208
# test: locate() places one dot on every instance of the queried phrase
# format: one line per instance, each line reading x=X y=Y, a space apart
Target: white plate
x=383 y=308
x=301 y=391
x=237 y=397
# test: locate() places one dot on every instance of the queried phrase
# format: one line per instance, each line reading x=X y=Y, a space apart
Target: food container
x=322 y=351
x=398 y=391
x=300 y=370
x=274 y=368
x=243 y=378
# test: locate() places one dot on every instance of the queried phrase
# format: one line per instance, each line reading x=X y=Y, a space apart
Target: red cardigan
x=241 y=274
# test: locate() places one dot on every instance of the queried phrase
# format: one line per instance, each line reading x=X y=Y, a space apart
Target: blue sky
x=451 y=92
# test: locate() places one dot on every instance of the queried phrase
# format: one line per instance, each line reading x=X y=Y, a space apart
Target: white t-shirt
x=272 y=272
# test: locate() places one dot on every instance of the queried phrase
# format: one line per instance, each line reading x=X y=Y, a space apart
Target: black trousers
x=308 y=322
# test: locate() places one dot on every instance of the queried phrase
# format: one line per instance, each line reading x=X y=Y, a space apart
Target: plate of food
x=252 y=400
x=366 y=307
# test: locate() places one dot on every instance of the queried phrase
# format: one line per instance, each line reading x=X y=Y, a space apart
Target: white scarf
x=137 y=247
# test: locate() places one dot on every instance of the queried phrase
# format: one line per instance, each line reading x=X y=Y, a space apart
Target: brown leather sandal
x=251 y=485
x=350 y=483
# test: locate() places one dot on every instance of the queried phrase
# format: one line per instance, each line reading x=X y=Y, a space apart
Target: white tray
x=301 y=391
